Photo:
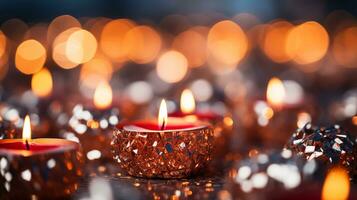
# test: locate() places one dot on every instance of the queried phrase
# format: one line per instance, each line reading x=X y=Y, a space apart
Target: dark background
x=41 y=11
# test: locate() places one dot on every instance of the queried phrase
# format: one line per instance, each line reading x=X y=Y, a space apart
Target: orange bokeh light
x=59 y=53
x=42 y=83
x=275 y=39
x=142 y=44
x=192 y=44
x=275 y=93
x=112 y=39
x=172 y=66
x=345 y=47
x=2 y=44
x=227 y=45
x=81 y=46
x=60 y=24
x=38 y=32
x=307 y=43
x=30 y=56
x=103 y=95
x=95 y=71
x=336 y=185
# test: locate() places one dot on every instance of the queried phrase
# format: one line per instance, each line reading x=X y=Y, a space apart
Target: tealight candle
x=168 y=148
x=44 y=167
x=272 y=120
x=222 y=124
x=94 y=121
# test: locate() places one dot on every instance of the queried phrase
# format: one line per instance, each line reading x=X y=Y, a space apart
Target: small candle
x=35 y=166
x=166 y=148
x=94 y=121
x=188 y=110
x=222 y=125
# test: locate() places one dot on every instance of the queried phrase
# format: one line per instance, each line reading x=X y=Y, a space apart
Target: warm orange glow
x=336 y=185
x=96 y=70
x=345 y=47
x=227 y=44
x=354 y=120
x=275 y=92
x=142 y=44
x=4 y=65
x=192 y=45
x=171 y=66
x=59 y=53
x=162 y=118
x=103 y=95
x=187 y=102
x=38 y=32
x=2 y=44
x=275 y=41
x=59 y=25
x=41 y=83
x=112 y=39
x=81 y=46
x=30 y=57
x=307 y=43
x=26 y=130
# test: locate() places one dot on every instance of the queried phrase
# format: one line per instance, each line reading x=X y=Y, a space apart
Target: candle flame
x=103 y=95
x=26 y=130
x=336 y=185
x=275 y=92
x=187 y=102
x=162 y=118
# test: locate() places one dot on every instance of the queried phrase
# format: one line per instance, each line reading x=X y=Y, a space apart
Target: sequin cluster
x=168 y=154
x=331 y=145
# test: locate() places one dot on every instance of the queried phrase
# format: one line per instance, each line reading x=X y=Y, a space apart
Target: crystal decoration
x=331 y=145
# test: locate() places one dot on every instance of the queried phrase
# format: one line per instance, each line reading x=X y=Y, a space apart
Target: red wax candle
x=35 y=166
x=36 y=146
x=163 y=148
x=173 y=124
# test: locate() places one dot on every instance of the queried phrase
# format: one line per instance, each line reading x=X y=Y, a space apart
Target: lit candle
x=188 y=110
x=163 y=148
x=34 y=166
x=222 y=126
x=94 y=121
x=277 y=116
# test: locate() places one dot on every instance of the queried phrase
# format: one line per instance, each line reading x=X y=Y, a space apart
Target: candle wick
x=163 y=125
x=27 y=144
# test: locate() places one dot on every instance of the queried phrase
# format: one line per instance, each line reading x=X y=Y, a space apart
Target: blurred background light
x=112 y=39
x=172 y=66
x=30 y=56
x=142 y=43
x=227 y=45
x=42 y=83
x=81 y=46
x=307 y=42
x=192 y=44
x=275 y=38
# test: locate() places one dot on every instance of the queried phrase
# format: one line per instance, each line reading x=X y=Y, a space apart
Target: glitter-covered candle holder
x=52 y=173
x=332 y=145
x=175 y=152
